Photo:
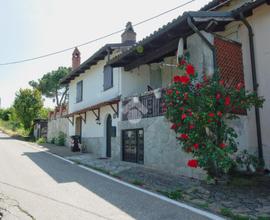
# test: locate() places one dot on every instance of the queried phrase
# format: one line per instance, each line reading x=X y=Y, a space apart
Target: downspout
x=208 y=43
x=255 y=84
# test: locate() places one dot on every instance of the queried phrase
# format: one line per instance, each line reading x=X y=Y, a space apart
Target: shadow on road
x=128 y=200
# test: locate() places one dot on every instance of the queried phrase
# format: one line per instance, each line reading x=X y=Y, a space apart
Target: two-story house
x=115 y=101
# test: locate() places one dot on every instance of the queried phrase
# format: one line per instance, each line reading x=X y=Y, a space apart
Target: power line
x=97 y=39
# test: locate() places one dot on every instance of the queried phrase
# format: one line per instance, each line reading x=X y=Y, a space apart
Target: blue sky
x=31 y=28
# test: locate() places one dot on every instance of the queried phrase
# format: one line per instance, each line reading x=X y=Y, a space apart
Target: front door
x=133 y=145
x=108 y=135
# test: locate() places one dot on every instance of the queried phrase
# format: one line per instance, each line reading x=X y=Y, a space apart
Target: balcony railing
x=144 y=106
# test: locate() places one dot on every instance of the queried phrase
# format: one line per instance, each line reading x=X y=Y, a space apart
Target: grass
x=137 y=182
x=13 y=130
x=263 y=218
x=175 y=195
x=228 y=213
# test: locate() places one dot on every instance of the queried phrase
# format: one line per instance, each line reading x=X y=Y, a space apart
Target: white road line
x=166 y=199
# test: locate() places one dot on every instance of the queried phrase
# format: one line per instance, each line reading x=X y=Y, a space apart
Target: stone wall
x=161 y=149
x=58 y=125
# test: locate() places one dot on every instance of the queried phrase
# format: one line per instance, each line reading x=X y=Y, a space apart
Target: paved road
x=48 y=188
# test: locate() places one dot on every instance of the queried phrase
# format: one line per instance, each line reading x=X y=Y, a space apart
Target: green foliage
x=41 y=140
x=5 y=114
x=27 y=105
x=44 y=112
x=175 y=195
x=228 y=213
x=247 y=161
x=53 y=140
x=49 y=85
x=61 y=139
x=137 y=183
x=200 y=110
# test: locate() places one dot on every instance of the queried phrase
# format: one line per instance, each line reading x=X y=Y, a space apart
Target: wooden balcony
x=146 y=105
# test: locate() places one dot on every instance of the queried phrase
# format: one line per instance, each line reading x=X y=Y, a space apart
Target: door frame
x=137 y=144
x=108 y=129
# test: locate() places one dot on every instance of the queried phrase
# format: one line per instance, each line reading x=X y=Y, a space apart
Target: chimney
x=76 y=58
x=129 y=36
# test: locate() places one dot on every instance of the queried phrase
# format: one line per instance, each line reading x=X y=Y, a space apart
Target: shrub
x=247 y=161
x=199 y=110
x=61 y=139
x=41 y=140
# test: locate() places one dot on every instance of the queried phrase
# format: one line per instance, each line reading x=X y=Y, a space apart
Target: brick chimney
x=129 y=36
x=76 y=58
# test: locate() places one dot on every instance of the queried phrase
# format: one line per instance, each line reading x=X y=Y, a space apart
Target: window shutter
x=108 y=77
x=79 y=91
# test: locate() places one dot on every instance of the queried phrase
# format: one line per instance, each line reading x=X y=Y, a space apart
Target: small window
x=108 y=77
x=79 y=95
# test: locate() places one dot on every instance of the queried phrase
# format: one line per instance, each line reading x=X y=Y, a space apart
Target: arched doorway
x=108 y=136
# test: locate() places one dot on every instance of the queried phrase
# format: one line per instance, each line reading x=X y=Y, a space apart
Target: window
x=79 y=95
x=108 y=77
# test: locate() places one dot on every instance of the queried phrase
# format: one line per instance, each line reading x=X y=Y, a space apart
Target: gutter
x=255 y=84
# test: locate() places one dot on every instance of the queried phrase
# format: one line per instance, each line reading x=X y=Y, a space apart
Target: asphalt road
x=46 y=187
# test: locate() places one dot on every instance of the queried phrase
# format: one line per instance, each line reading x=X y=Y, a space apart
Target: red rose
x=190 y=114
x=181 y=109
x=176 y=79
x=174 y=126
x=196 y=146
x=218 y=96
x=183 y=117
x=205 y=79
x=182 y=62
x=227 y=100
x=177 y=92
x=211 y=114
x=221 y=82
x=219 y=114
x=198 y=85
x=184 y=136
x=239 y=86
x=193 y=163
x=190 y=70
x=184 y=79
x=185 y=96
x=222 y=145
x=169 y=91
x=191 y=126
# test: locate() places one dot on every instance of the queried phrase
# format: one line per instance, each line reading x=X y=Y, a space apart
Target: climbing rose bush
x=199 y=109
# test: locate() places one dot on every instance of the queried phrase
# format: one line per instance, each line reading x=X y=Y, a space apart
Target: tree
x=49 y=85
x=27 y=105
x=200 y=110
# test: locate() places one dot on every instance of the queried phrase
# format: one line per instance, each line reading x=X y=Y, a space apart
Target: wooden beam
x=71 y=121
x=116 y=111
x=83 y=118
x=96 y=114
x=153 y=54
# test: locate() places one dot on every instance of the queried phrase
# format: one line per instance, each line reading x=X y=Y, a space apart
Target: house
x=116 y=95
x=95 y=89
x=229 y=35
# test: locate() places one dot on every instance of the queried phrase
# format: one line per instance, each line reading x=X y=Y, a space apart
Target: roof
x=97 y=56
x=153 y=45
x=214 y=4
x=93 y=107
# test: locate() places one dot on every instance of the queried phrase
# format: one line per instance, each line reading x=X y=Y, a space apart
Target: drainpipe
x=208 y=43
x=255 y=84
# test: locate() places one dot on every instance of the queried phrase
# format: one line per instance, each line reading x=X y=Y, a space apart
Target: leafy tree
x=49 y=85
x=27 y=105
x=5 y=114
x=200 y=111
x=44 y=113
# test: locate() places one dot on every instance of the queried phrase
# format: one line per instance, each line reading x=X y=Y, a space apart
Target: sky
x=31 y=28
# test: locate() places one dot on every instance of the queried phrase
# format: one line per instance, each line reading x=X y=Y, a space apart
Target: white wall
x=93 y=92
x=260 y=22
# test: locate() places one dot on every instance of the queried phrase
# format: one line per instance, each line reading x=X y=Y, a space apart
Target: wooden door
x=108 y=136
